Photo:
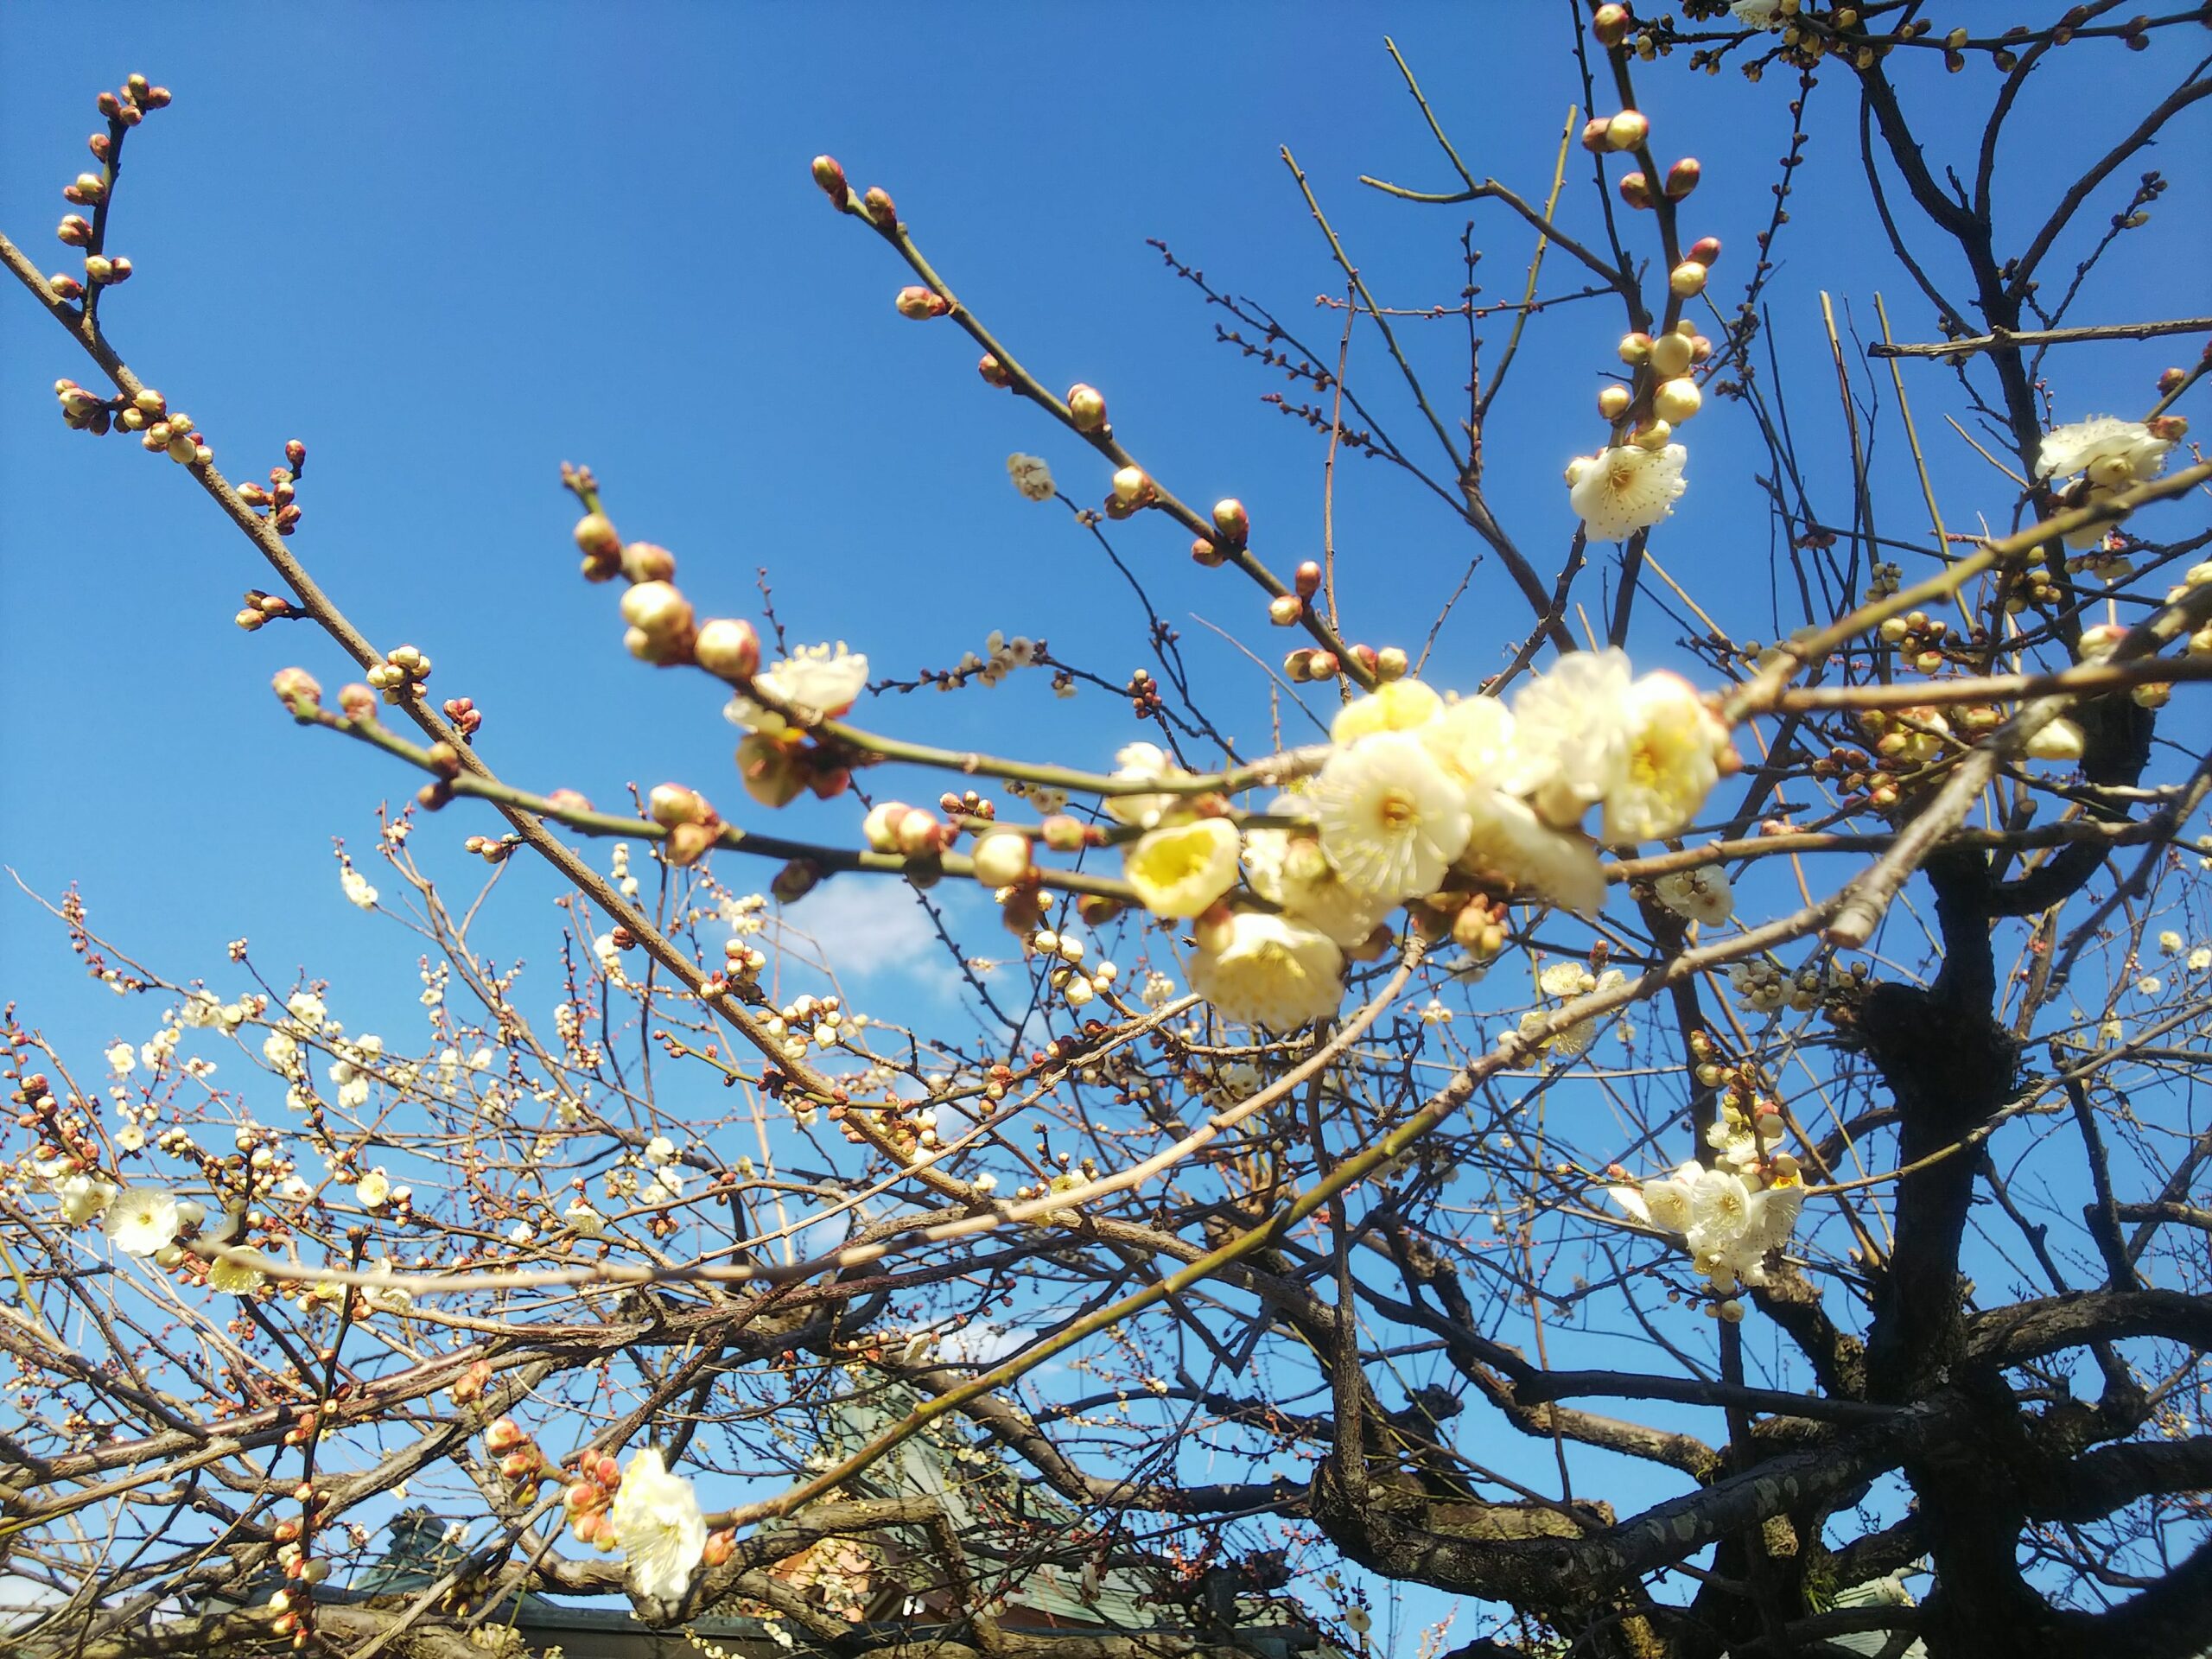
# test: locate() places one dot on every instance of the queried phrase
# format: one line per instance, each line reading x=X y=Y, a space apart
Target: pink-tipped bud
x=503 y=1434
x=669 y=805
x=1609 y=24
x=994 y=372
x=1635 y=349
x=1298 y=666
x=295 y=687
x=1593 y=135
x=1306 y=579
x=728 y=648
x=880 y=208
x=75 y=230
x=1131 y=487
x=880 y=828
x=156 y=98
x=1391 y=663
x=525 y=1462
x=1636 y=190
x=2168 y=429
x=1205 y=552
x=831 y=178
x=1063 y=834
x=919 y=304
x=1682 y=177
x=920 y=834
x=1285 y=609
x=2172 y=380
x=720 y=1546
x=1002 y=858
x=1705 y=251
x=1087 y=407
x=1230 y=519
x=1686 y=279
x=657 y=609
x=1627 y=129
x=65 y=286
x=89 y=186
x=1323 y=665
x=647 y=562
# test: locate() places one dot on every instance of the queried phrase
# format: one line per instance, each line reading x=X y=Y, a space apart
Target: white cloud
x=870 y=930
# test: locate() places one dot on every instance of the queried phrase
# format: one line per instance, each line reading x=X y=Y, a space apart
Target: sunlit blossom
x=1390 y=820
x=1142 y=763
x=1269 y=970
x=1571 y=729
x=1030 y=476
x=1675 y=750
x=659 y=1526
x=1292 y=870
x=140 y=1220
x=2111 y=452
x=1699 y=895
x=1396 y=706
x=823 y=678
x=1179 y=870
x=1508 y=843
x=1620 y=491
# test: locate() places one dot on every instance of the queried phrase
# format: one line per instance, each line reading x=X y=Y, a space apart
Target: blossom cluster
x=1444 y=807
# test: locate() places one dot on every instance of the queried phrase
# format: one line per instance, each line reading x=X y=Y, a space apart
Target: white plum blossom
x=1294 y=871
x=1268 y=971
x=1622 y=490
x=1393 y=706
x=83 y=1195
x=356 y=886
x=1389 y=819
x=1179 y=869
x=141 y=1220
x=824 y=678
x=1727 y=1225
x=1508 y=842
x=1757 y=14
x=1141 y=763
x=1675 y=750
x=1699 y=895
x=1030 y=476
x=2112 y=452
x=658 y=1526
x=1572 y=728
x=121 y=1058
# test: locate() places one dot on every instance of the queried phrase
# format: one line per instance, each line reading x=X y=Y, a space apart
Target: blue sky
x=450 y=247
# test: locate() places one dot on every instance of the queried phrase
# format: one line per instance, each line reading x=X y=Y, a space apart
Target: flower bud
x=118 y=269
x=2167 y=428
x=1002 y=858
x=1307 y=579
x=1609 y=24
x=1655 y=435
x=1635 y=349
x=1685 y=279
x=669 y=805
x=1706 y=250
x=1682 y=177
x=1205 y=552
x=657 y=610
x=1285 y=609
x=582 y=1497
x=523 y=1463
x=1593 y=135
x=993 y=371
x=728 y=648
x=1677 y=400
x=772 y=773
x=795 y=880
x=1323 y=665
x=503 y=1434
x=1298 y=665
x=2169 y=382
x=1391 y=663
x=831 y=179
x=65 y=286
x=880 y=208
x=1670 y=356
x=295 y=687
x=1131 y=487
x=75 y=230
x=1636 y=190
x=687 y=843
x=919 y=304
x=1613 y=402
x=1086 y=407
x=1627 y=131
x=920 y=834
x=1064 y=834
x=880 y=828
x=89 y=186
x=1230 y=519
x=155 y=98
